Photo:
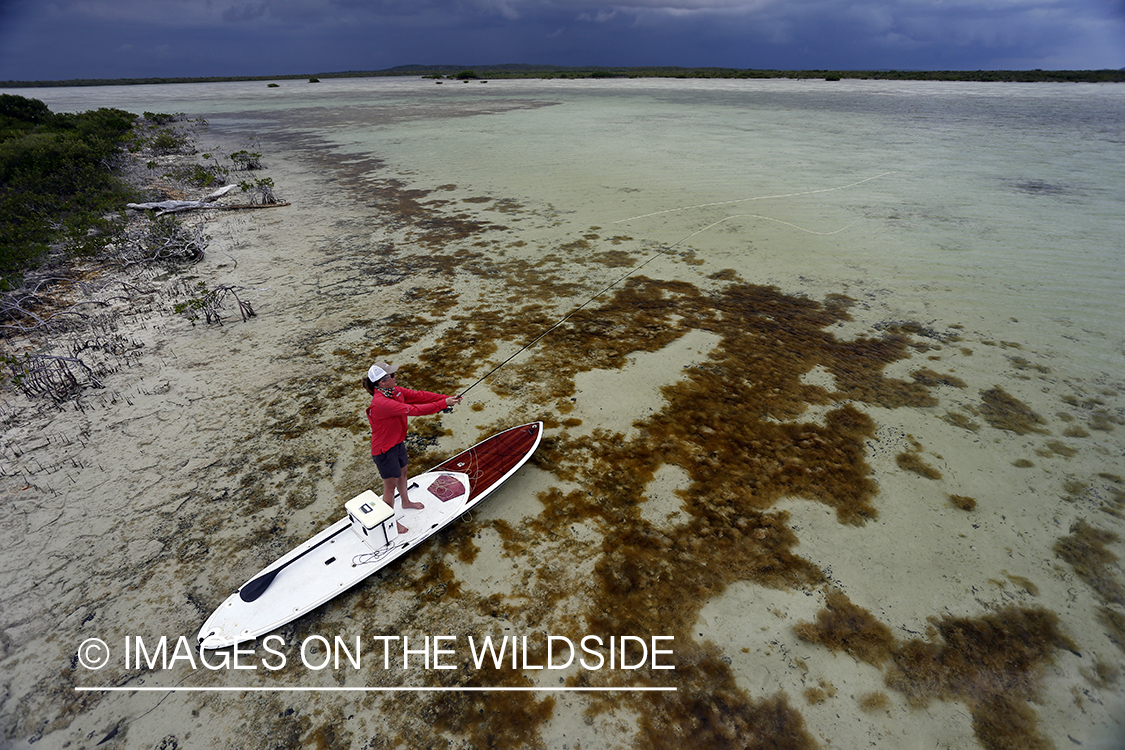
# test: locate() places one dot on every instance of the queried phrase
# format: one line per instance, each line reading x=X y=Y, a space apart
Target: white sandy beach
x=136 y=510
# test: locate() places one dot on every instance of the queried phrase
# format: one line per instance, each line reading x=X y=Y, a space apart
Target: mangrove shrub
x=56 y=178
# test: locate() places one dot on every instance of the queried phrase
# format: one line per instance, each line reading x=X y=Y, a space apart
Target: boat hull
x=344 y=554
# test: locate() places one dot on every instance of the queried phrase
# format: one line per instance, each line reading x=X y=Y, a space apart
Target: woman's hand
x=451 y=401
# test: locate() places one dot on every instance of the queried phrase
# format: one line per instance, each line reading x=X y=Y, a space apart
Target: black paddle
x=258 y=586
x=255 y=588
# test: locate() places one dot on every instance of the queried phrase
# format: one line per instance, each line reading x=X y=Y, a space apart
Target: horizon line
x=409 y=69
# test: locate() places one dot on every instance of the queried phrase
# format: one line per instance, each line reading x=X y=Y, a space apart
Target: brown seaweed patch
x=963 y=502
x=1006 y=412
x=843 y=626
x=958 y=419
x=874 y=701
x=815 y=695
x=929 y=378
x=994 y=664
x=972 y=658
x=911 y=461
x=506 y=206
x=349 y=423
x=495 y=720
x=709 y=709
x=432 y=229
x=732 y=423
x=1114 y=622
x=910 y=329
x=514 y=544
x=1085 y=550
x=575 y=245
x=1023 y=583
x=1001 y=722
x=1102 y=674
x=727 y=274
x=1074 y=488
x=481 y=719
x=856 y=375
x=460 y=540
x=820 y=692
x=614 y=259
x=1115 y=500
x=1020 y=363
x=332 y=735
x=1058 y=448
x=436 y=300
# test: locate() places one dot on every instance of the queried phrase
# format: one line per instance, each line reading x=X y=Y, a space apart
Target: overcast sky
x=64 y=39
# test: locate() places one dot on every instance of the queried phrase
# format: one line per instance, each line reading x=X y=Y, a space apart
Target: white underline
x=373 y=689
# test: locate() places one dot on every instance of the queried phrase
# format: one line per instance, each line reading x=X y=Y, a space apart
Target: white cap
x=380 y=370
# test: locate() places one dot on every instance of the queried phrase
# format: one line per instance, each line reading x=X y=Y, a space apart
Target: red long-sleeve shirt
x=387 y=416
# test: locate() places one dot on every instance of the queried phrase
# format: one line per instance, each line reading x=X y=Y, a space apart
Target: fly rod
x=668 y=249
x=567 y=317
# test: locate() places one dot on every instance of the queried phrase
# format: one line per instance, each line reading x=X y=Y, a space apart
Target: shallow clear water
x=998 y=200
x=992 y=201
x=1028 y=167
x=998 y=208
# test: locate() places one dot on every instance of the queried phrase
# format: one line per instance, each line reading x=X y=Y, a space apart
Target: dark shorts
x=391 y=463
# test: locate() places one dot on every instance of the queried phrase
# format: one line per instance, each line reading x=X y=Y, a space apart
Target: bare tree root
x=207 y=303
x=160 y=239
x=60 y=378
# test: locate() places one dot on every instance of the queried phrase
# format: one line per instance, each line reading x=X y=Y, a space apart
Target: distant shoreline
x=547 y=71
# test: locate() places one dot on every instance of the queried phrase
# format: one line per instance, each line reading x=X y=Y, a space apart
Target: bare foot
x=402 y=529
x=411 y=505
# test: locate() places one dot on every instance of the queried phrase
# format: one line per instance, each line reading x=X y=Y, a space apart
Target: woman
x=390 y=406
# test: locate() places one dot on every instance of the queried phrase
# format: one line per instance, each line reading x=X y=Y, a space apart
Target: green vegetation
x=65 y=184
x=199 y=175
x=557 y=71
x=244 y=160
x=260 y=191
x=56 y=180
x=62 y=184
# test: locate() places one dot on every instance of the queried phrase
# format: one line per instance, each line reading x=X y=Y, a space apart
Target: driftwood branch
x=262 y=189
x=175 y=206
x=171 y=207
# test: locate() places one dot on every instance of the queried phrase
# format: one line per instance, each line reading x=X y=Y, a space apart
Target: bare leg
x=389 y=486
x=402 y=486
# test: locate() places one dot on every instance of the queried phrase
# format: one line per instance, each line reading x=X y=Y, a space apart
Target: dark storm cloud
x=245 y=12
x=127 y=38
